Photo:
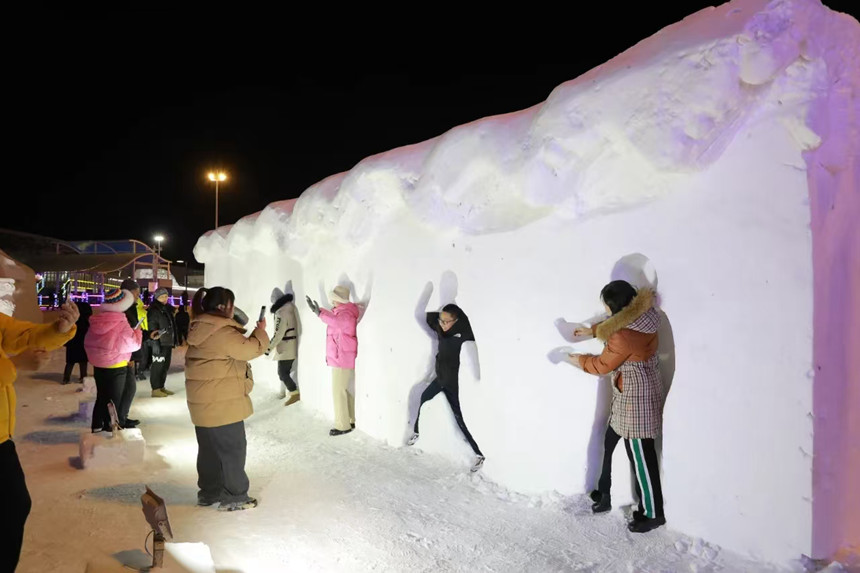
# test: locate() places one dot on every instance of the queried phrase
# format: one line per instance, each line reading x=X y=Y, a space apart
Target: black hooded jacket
x=450 y=342
x=160 y=317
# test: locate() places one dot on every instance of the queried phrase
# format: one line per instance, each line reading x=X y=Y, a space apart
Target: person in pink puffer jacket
x=341 y=350
x=109 y=343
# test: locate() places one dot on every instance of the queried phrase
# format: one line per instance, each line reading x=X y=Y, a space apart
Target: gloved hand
x=315 y=307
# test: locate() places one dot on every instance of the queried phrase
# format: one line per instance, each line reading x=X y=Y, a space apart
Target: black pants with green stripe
x=643 y=463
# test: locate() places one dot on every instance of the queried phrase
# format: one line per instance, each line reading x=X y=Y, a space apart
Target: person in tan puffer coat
x=218 y=384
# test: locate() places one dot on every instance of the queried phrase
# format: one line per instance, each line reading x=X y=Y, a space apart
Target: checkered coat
x=630 y=355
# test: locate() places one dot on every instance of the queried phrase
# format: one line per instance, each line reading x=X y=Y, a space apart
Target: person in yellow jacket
x=16 y=336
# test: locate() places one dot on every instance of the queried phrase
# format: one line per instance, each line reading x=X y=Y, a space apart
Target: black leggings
x=284 y=368
x=16 y=506
x=67 y=373
x=453 y=397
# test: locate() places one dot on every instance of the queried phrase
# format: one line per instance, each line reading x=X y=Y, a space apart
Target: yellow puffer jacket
x=16 y=336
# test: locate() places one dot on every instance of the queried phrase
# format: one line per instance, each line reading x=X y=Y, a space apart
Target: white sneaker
x=479 y=461
x=411 y=441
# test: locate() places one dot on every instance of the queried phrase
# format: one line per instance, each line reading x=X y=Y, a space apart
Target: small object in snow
x=412 y=439
x=238 y=505
x=479 y=462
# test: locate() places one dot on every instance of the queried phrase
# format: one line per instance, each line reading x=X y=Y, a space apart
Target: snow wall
x=715 y=160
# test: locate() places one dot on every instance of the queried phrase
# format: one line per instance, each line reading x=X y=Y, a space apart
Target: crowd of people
x=125 y=338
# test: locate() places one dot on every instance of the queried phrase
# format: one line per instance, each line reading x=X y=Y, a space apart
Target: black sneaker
x=605 y=504
x=646 y=524
x=639 y=515
x=130 y=423
x=336 y=432
x=203 y=502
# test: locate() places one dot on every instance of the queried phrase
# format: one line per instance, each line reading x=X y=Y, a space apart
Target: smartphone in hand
x=139 y=323
x=262 y=313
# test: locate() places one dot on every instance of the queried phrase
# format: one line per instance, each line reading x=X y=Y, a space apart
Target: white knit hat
x=340 y=294
x=117 y=300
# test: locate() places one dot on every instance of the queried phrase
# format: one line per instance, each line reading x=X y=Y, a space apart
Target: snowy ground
x=344 y=504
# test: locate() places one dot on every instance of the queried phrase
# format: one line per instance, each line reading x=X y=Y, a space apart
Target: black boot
x=603 y=504
x=645 y=524
x=595 y=495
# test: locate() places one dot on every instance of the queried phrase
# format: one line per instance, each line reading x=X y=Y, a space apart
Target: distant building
x=82 y=269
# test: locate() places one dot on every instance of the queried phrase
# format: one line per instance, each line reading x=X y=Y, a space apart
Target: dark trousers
x=110 y=387
x=453 y=397
x=221 y=463
x=16 y=506
x=160 y=366
x=644 y=466
x=67 y=373
x=284 y=368
x=128 y=392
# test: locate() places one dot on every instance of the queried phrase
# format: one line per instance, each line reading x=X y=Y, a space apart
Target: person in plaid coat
x=630 y=355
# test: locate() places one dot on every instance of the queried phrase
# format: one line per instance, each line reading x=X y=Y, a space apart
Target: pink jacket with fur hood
x=341 y=345
x=110 y=340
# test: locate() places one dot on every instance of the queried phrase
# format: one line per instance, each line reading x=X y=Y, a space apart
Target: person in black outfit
x=75 y=352
x=161 y=322
x=182 y=321
x=452 y=327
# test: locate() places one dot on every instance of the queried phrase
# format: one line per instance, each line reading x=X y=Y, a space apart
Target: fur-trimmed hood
x=281 y=301
x=629 y=316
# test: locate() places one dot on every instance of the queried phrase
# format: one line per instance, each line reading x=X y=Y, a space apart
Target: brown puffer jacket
x=218 y=378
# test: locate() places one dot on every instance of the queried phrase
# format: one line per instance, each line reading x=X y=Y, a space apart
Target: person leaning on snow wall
x=453 y=328
x=16 y=336
x=636 y=415
x=218 y=384
x=284 y=343
x=341 y=350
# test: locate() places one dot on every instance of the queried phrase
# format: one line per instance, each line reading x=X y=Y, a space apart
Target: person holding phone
x=163 y=324
x=218 y=384
x=109 y=343
x=17 y=336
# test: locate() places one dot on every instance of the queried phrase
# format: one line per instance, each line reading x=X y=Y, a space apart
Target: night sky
x=116 y=117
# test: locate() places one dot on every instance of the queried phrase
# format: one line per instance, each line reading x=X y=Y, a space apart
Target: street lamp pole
x=217 y=177
x=186 y=280
x=156 y=259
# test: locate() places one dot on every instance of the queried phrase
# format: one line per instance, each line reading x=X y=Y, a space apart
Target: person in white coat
x=284 y=344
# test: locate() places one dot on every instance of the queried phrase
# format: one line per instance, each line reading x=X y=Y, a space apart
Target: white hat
x=340 y=294
x=117 y=300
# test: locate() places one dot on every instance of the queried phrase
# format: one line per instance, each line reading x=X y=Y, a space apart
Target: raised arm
x=238 y=347
x=19 y=335
x=614 y=354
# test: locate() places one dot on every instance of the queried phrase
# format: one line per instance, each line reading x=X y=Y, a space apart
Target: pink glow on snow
x=834 y=189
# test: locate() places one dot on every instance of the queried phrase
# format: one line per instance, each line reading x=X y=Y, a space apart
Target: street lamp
x=186 y=280
x=156 y=260
x=217 y=177
x=158 y=239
